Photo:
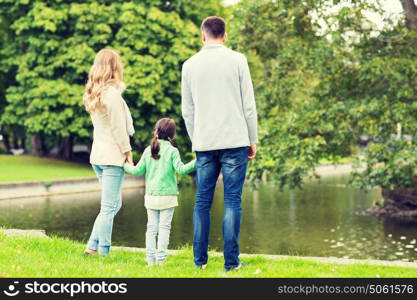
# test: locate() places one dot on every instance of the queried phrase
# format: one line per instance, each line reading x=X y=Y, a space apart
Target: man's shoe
x=202 y=267
x=235 y=268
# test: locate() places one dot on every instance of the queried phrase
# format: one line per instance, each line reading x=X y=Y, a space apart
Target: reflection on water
x=320 y=220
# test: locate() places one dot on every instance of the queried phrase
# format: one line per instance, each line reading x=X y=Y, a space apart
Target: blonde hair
x=106 y=70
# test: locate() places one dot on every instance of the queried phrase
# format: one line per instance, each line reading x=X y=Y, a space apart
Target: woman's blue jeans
x=232 y=163
x=111 y=179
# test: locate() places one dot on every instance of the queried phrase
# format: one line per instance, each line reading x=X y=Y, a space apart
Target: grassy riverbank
x=57 y=257
x=29 y=168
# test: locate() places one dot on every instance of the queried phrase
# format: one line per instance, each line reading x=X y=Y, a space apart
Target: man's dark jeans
x=232 y=163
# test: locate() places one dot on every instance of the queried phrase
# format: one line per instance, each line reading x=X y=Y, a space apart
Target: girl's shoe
x=151 y=263
x=160 y=263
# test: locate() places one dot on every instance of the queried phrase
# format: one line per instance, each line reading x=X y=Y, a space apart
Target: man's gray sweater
x=218 y=103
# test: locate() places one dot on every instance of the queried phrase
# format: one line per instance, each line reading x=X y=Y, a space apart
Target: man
x=218 y=106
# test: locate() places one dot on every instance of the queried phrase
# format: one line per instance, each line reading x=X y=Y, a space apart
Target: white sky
x=230 y=2
x=391 y=7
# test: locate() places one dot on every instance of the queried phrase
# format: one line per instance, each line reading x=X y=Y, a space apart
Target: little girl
x=160 y=161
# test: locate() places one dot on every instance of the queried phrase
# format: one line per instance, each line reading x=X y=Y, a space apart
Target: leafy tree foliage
x=320 y=89
x=320 y=92
x=286 y=60
x=54 y=43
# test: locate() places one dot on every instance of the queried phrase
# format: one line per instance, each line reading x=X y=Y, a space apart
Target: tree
x=373 y=86
x=3 y=85
x=318 y=94
x=54 y=43
x=286 y=59
x=410 y=11
x=3 y=32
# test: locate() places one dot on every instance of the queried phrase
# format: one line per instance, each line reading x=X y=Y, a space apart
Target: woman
x=111 y=147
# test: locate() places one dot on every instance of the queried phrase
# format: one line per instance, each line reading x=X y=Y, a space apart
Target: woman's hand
x=129 y=157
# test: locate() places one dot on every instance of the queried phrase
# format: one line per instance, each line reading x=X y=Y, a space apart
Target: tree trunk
x=6 y=142
x=38 y=145
x=399 y=204
x=410 y=11
x=23 y=142
x=15 y=141
x=65 y=147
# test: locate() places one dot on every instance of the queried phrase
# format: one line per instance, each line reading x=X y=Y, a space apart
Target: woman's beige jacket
x=111 y=139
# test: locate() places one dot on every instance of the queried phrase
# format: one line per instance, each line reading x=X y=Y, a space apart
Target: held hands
x=252 y=151
x=129 y=157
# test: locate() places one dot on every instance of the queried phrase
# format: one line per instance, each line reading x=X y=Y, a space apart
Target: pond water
x=322 y=219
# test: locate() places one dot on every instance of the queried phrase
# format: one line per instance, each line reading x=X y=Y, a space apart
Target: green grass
x=58 y=257
x=29 y=168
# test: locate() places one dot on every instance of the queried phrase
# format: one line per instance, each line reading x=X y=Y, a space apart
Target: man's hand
x=252 y=151
x=129 y=157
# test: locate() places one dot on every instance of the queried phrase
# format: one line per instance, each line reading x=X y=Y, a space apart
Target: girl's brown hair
x=165 y=130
